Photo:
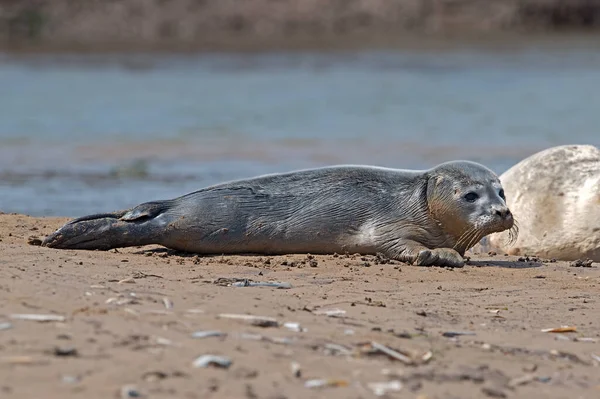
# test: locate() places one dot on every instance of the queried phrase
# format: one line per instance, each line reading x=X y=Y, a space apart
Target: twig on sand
x=259 y=321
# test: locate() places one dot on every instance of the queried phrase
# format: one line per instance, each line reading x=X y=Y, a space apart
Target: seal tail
x=105 y=231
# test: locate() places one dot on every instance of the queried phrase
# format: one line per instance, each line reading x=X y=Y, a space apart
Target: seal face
x=428 y=217
x=468 y=202
x=555 y=195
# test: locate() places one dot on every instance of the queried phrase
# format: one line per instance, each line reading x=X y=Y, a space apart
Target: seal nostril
x=503 y=213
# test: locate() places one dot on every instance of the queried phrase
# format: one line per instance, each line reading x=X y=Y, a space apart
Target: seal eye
x=501 y=194
x=471 y=197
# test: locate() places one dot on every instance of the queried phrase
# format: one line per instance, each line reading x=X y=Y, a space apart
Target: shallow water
x=87 y=134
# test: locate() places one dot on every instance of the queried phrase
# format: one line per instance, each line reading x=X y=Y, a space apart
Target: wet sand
x=118 y=332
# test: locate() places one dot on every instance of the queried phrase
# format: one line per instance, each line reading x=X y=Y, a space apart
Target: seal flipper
x=105 y=231
x=415 y=253
x=147 y=210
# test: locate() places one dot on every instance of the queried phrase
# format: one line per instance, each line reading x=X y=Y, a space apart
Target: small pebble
x=530 y=368
x=451 y=334
x=65 y=351
x=582 y=263
x=207 y=334
x=163 y=341
x=382 y=388
x=153 y=376
x=168 y=303
x=259 y=321
x=294 y=326
x=5 y=326
x=212 y=360
x=130 y=391
x=71 y=379
x=296 y=370
x=34 y=241
x=493 y=392
x=321 y=383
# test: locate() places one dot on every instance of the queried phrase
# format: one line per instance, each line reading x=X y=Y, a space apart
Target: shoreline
x=495 y=42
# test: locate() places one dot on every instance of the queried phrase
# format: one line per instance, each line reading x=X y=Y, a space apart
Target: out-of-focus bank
x=262 y=24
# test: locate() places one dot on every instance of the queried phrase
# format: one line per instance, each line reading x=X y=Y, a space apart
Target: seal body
x=555 y=196
x=422 y=217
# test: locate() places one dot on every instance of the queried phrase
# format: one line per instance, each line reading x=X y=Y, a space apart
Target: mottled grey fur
x=419 y=217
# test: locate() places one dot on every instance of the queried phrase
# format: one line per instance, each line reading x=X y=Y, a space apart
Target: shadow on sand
x=508 y=264
x=165 y=252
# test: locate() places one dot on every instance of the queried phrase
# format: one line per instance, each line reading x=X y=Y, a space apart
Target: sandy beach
x=124 y=324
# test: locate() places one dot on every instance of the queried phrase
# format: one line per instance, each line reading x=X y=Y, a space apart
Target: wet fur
x=363 y=209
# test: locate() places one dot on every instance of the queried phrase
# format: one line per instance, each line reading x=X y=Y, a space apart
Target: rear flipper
x=110 y=230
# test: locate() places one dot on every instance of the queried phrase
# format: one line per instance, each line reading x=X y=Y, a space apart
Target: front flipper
x=439 y=257
x=417 y=254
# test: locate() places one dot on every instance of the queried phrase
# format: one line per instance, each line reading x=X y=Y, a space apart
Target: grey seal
x=555 y=196
x=422 y=217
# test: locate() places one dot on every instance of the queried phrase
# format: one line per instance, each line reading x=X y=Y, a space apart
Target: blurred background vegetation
x=239 y=24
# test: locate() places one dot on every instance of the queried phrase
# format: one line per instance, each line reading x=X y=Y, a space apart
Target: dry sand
x=135 y=340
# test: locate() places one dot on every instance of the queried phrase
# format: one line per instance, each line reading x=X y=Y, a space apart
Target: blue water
x=87 y=134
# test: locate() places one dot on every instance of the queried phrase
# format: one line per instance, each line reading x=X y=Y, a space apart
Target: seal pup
x=555 y=195
x=427 y=217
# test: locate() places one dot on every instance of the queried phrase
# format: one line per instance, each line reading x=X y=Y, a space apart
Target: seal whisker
x=474 y=240
x=513 y=234
x=460 y=240
x=475 y=237
x=466 y=237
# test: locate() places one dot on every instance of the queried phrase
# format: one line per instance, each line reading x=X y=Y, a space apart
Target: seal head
x=467 y=200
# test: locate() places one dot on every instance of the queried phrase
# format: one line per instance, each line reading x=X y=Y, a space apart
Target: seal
x=555 y=196
x=426 y=217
